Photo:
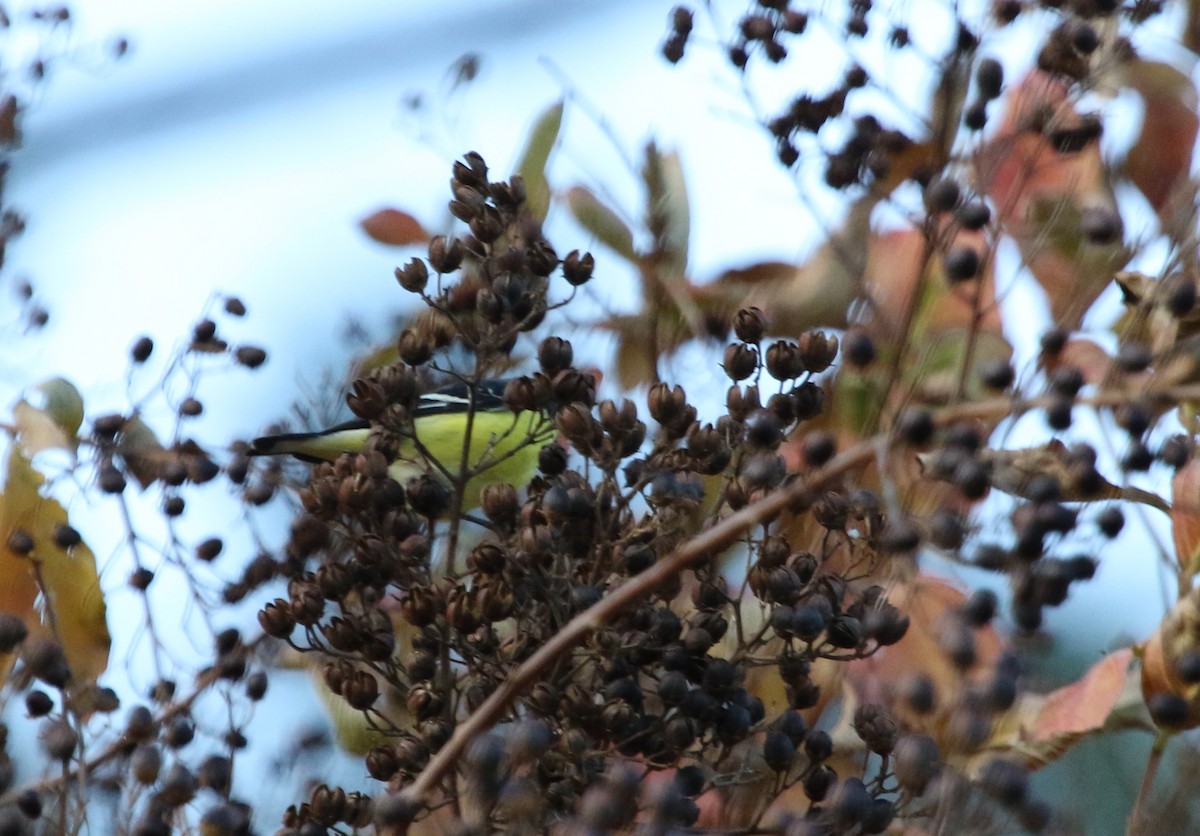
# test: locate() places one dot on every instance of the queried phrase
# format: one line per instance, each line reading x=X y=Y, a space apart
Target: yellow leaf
x=19 y=507
x=73 y=610
x=37 y=431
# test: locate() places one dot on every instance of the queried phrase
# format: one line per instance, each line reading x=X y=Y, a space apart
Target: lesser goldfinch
x=504 y=446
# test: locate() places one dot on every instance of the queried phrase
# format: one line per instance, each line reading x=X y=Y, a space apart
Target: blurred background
x=236 y=146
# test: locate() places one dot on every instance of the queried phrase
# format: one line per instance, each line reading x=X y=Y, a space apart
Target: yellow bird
x=503 y=448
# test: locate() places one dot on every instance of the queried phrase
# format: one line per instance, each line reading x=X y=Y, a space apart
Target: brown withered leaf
x=1161 y=157
x=1042 y=190
x=641 y=340
x=394 y=228
x=815 y=294
x=1147 y=317
x=927 y=601
x=675 y=311
x=141 y=450
x=795 y=297
x=1185 y=517
x=1088 y=356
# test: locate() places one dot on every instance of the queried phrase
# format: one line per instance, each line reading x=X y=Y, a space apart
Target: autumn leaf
x=1087 y=356
x=1161 y=157
x=668 y=214
x=1044 y=172
x=1085 y=705
x=394 y=228
x=532 y=164
x=74 y=608
x=141 y=451
x=55 y=423
x=1185 y=516
x=598 y=219
x=1040 y=728
x=928 y=602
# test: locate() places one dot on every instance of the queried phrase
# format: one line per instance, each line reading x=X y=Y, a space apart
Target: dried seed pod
x=740 y=361
x=817 y=350
x=749 y=325
x=413 y=276
x=578 y=267
x=142 y=349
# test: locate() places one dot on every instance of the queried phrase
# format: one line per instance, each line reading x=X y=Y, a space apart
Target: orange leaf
x=927 y=601
x=1041 y=728
x=894 y=261
x=1160 y=159
x=1185 y=516
x=393 y=227
x=1085 y=705
x=1087 y=356
x=1047 y=193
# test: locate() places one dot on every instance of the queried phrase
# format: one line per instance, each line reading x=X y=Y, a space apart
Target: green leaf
x=532 y=166
x=667 y=212
x=63 y=403
x=55 y=423
x=601 y=221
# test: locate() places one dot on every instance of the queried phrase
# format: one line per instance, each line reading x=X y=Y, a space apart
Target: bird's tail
x=323 y=446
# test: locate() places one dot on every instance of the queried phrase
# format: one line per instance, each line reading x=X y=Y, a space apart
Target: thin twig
x=1139 y=818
